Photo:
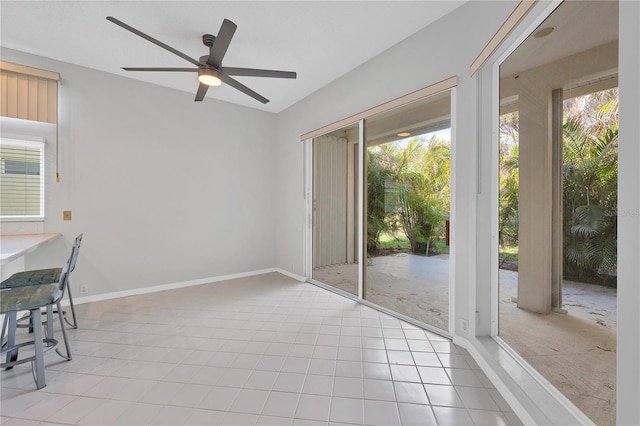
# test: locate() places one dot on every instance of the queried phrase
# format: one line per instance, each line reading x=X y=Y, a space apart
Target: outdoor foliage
x=408 y=191
x=509 y=180
x=590 y=180
x=590 y=170
x=377 y=176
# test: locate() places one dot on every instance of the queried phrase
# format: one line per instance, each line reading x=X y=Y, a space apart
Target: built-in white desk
x=13 y=248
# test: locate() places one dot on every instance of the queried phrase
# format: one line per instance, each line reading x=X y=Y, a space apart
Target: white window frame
x=37 y=143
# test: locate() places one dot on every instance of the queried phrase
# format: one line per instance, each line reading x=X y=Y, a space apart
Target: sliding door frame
x=309 y=213
x=450 y=85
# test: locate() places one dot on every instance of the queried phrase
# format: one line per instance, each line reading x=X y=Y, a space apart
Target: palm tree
x=408 y=190
x=509 y=180
x=420 y=182
x=377 y=177
x=590 y=186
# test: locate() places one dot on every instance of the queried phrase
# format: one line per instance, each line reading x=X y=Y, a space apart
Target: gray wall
x=165 y=190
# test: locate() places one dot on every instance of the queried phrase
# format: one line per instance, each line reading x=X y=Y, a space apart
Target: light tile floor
x=264 y=350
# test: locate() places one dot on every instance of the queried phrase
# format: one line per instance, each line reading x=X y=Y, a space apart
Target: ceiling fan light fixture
x=208 y=77
x=404 y=134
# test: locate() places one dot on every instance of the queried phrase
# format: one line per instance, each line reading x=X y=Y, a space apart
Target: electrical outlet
x=66 y=215
x=84 y=289
x=464 y=324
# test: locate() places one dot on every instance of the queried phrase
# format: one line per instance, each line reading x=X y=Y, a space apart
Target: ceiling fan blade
x=221 y=44
x=161 y=69
x=252 y=72
x=244 y=89
x=152 y=40
x=202 y=90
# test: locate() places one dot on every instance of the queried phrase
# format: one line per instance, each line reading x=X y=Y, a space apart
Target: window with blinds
x=21 y=179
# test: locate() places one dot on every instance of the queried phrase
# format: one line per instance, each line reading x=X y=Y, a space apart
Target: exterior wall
x=164 y=189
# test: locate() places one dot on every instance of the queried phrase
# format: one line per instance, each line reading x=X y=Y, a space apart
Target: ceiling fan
x=209 y=67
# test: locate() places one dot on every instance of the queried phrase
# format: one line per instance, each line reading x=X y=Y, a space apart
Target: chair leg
x=64 y=335
x=48 y=331
x=39 y=348
x=5 y=323
x=11 y=338
x=73 y=309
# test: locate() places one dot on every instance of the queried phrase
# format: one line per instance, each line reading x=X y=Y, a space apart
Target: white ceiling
x=320 y=40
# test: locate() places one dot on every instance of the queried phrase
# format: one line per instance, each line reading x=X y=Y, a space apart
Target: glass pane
x=335 y=205
x=558 y=203
x=407 y=200
x=21 y=180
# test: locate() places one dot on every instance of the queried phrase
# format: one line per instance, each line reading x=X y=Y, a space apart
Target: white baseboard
x=291 y=275
x=506 y=393
x=183 y=284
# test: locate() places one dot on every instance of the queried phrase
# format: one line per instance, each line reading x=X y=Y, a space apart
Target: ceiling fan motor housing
x=208 y=39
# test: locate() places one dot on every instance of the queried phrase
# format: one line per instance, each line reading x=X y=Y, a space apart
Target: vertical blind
x=330 y=201
x=28 y=93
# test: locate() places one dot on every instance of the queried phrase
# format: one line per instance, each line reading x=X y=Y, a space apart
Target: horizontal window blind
x=21 y=179
x=28 y=93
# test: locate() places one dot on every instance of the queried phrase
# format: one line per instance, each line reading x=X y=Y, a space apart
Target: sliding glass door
x=384 y=191
x=407 y=200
